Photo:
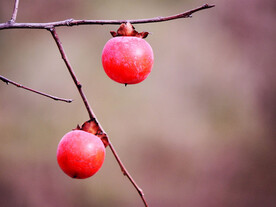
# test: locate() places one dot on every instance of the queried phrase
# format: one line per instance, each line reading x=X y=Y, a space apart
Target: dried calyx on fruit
x=91 y=126
x=127 y=29
x=81 y=152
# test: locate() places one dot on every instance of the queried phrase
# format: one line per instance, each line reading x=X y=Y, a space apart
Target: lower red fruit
x=127 y=59
x=80 y=154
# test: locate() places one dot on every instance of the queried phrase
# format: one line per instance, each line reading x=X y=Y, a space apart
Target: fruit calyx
x=126 y=29
x=91 y=126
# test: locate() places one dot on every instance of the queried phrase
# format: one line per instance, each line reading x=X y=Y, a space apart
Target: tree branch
x=92 y=115
x=34 y=91
x=14 y=13
x=126 y=173
x=72 y=22
x=71 y=71
x=11 y=24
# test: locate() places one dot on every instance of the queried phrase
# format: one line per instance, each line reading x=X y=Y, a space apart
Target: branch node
x=124 y=172
x=10 y=22
x=68 y=22
x=79 y=85
x=208 y=6
x=50 y=28
x=141 y=192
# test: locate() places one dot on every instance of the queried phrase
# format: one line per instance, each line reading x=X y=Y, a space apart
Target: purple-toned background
x=198 y=132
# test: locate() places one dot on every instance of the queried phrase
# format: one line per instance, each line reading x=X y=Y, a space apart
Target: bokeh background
x=198 y=132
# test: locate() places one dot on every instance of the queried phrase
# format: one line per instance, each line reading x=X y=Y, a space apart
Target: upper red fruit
x=127 y=59
x=80 y=154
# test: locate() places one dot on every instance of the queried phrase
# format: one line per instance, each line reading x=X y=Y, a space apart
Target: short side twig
x=14 y=13
x=34 y=91
x=91 y=113
x=72 y=22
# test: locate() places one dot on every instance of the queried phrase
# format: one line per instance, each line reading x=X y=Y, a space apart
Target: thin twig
x=14 y=13
x=72 y=22
x=34 y=91
x=71 y=71
x=92 y=114
x=126 y=173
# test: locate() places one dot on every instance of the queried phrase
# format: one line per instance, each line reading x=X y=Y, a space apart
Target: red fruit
x=80 y=154
x=127 y=59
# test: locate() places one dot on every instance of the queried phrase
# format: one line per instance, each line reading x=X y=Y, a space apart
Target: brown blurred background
x=198 y=132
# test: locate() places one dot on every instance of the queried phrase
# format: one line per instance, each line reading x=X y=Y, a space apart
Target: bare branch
x=126 y=173
x=14 y=14
x=51 y=26
x=71 y=71
x=34 y=91
x=72 y=22
x=186 y=14
x=92 y=114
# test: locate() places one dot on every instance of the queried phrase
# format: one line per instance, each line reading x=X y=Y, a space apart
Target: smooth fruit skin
x=127 y=60
x=80 y=154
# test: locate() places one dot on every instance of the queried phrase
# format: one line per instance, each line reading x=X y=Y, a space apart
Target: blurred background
x=198 y=132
